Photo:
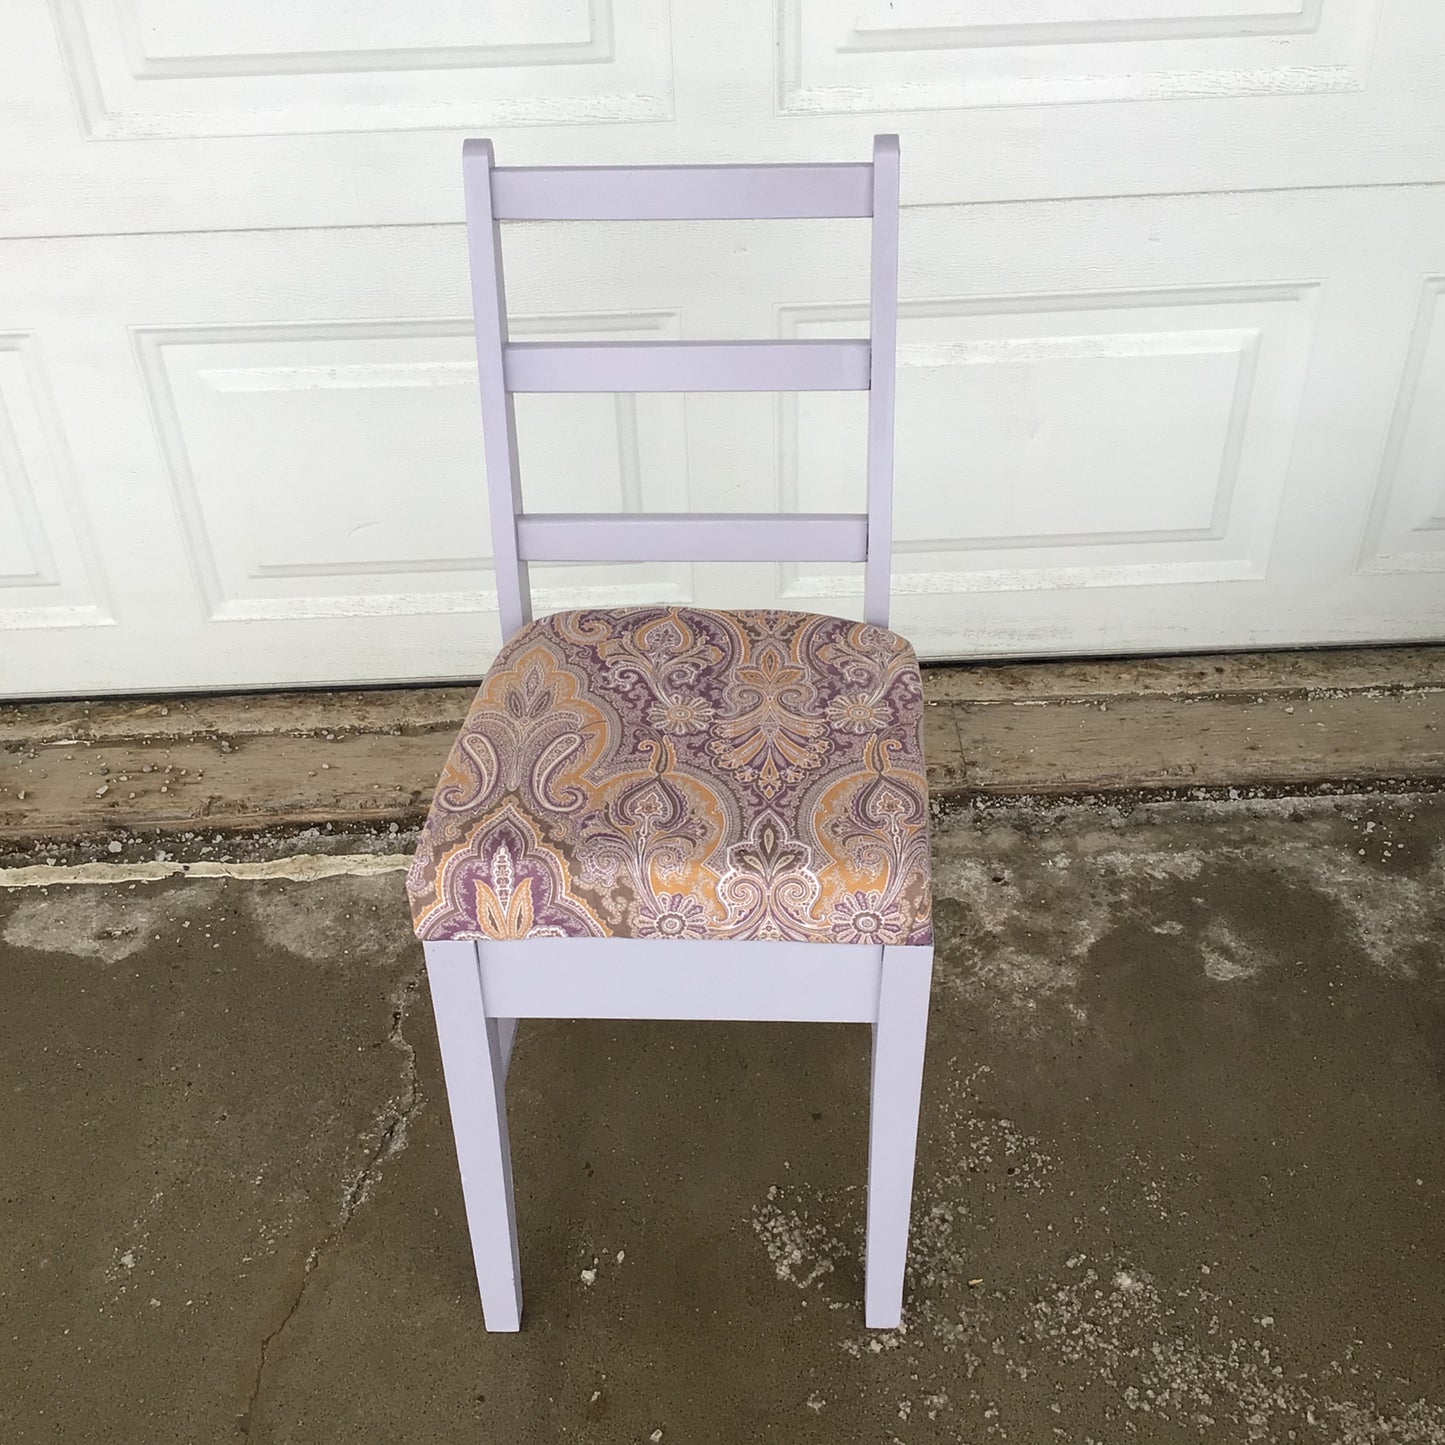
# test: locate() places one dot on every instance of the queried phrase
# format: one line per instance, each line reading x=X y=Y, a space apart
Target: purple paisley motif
x=504 y=886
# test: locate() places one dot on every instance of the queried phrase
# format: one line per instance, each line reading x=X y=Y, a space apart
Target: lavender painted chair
x=672 y=812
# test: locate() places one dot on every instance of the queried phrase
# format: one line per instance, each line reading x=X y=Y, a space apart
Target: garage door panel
x=1076 y=440
x=951 y=54
x=1036 y=421
x=25 y=555
x=49 y=574
x=162 y=68
x=305 y=460
x=1407 y=524
x=157 y=31
x=327 y=469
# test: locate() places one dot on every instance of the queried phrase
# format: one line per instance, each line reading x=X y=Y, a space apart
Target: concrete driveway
x=1181 y=1171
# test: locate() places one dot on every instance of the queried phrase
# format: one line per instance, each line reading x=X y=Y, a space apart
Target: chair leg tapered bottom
x=475 y=1051
x=899 y=1036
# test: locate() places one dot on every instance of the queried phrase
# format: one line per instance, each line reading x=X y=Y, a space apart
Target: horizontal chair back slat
x=686 y=366
x=681 y=193
x=693 y=537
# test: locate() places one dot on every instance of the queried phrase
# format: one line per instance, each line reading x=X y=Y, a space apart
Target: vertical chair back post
x=495 y=194
x=883 y=362
x=499 y=421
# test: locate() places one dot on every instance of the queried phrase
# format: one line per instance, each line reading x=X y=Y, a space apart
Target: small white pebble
x=621 y=1255
x=655 y=1436
x=589 y=1276
x=112 y=847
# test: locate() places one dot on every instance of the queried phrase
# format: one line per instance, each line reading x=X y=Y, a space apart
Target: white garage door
x=1173 y=336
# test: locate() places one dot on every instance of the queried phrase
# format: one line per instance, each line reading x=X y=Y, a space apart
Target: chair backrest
x=645 y=193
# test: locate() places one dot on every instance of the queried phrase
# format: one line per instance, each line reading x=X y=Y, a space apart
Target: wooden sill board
x=1195 y=725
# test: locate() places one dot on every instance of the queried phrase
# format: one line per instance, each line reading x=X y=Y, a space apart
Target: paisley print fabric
x=669 y=772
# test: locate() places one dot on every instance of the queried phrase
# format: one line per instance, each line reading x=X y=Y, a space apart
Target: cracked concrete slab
x=191 y=1098
x=1181 y=1168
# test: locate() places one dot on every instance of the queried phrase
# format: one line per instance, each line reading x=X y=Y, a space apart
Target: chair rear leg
x=475 y=1052
x=506 y=1037
x=898 y=1043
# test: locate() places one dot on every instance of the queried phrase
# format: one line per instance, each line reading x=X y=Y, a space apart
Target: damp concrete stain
x=331 y=917
x=338 y=921
x=1022 y=899
x=103 y=924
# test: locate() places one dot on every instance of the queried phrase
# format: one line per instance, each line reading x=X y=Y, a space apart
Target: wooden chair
x=674 y=812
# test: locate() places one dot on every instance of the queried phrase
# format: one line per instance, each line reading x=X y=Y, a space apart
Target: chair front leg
x=475 y=1051
x=899 y=1034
